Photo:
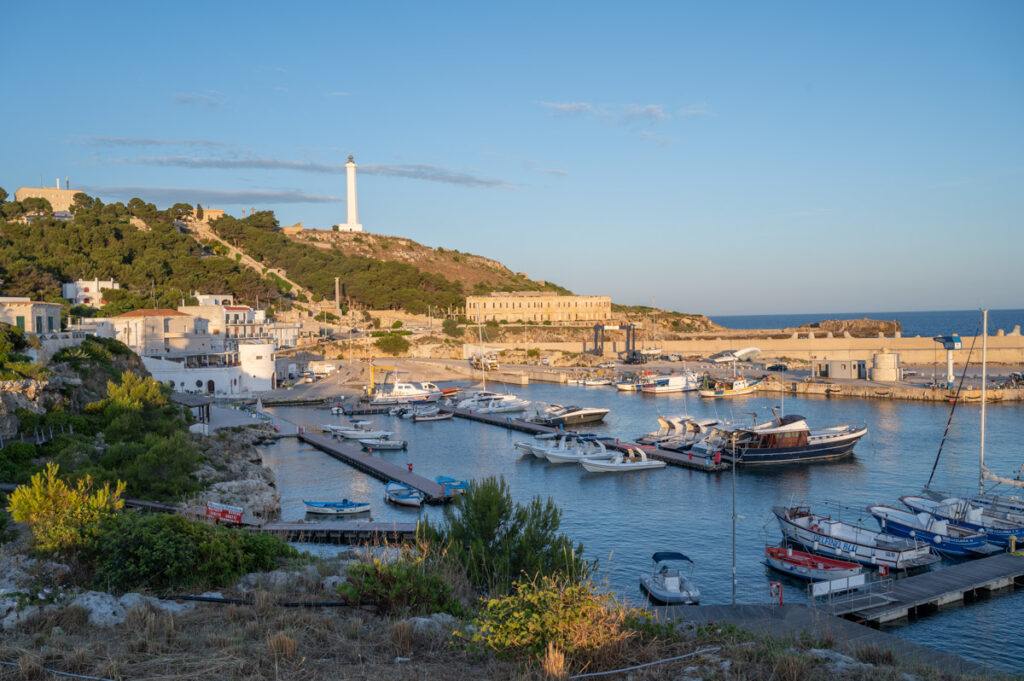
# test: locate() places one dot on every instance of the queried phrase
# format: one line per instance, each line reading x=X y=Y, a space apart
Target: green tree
x=3 y=195
x=37 y=205
x=199 y=212
x=451 y=328
x=393 y=344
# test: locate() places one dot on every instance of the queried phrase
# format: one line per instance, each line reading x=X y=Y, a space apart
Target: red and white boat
x=808 y=565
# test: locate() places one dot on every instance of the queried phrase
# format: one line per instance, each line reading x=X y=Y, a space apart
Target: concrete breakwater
x=884 y=391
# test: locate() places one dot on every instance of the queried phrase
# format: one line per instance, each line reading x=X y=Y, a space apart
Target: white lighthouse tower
x=352 y=222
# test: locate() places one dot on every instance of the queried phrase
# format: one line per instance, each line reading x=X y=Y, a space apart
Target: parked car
x=675 y=357
x=606 y=365
x=545 y=361
x=778 y=367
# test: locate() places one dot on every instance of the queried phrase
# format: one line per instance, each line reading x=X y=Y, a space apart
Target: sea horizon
x=914 y=323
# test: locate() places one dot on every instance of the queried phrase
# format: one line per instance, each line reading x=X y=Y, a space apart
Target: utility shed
x=843 y=368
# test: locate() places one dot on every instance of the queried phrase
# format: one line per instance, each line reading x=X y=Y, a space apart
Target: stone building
x=87 y=292
x=532 y=306
x=60 y=199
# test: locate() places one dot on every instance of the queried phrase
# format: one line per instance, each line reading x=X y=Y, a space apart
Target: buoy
x=410 y=466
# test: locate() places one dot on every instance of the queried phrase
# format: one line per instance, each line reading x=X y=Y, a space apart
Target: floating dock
x=375 y=466
x=914 y=596
x=673 y=458
x=340 y=532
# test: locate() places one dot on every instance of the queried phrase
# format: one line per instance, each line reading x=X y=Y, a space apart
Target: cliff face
x=28 y=394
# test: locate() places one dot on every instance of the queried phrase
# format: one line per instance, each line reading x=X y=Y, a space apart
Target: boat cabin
x=790 y=431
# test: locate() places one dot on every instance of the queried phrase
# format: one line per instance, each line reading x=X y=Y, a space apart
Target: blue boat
x=343 y=507
x=785 y=439
x=958 y=510
x=451 y=486
x=944 y=536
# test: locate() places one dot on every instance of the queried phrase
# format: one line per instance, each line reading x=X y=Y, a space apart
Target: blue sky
x=723 y=158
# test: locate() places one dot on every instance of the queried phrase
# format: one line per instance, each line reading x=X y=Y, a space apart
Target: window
x=39 y=324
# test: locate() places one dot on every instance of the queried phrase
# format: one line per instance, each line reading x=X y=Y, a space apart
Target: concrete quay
x=883 y=391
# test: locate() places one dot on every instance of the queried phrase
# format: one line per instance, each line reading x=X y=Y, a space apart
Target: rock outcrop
x=858 y=328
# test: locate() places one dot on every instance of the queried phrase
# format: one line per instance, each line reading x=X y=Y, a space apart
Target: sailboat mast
x=483 y=360
x=984 y=380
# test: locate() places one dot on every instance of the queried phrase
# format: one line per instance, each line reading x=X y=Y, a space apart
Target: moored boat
x=667 y=584
x=486 y=402
x=451 y=486
x=787 y=439
x=402 y=393
x=343 y=507
x=729 y=387
x=584 y=448
x=402 y=494
x=678 y=433
x=385 y=443
x=439 y=416
x=670 y=383
x=558 y=415
x=944 y=536
x=809 y=566
x=823 y=535
x=633 y=460
x=997 y=529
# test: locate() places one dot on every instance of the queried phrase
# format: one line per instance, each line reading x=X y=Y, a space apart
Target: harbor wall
x=1002 y=349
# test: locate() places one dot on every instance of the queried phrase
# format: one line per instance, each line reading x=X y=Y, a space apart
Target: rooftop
x=151 y=312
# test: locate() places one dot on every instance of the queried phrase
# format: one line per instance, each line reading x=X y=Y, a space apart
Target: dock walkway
x=375 y=466
x=672 y=458
x=911 y=596
x=339 y=532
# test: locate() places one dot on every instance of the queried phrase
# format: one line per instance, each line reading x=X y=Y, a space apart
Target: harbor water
x=623 y=518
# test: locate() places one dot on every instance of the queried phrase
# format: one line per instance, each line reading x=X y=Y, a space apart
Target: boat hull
x=808 y=566
x=313 y=507
x=441 y=416
x=967 y=545
x=683 y=597
x=824 y=451
x=401 y=495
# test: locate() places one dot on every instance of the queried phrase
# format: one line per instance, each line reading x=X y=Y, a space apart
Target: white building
x=244 y=372
x=204 y=299
x=30 y=316
x=88 y=292
x=240 y=322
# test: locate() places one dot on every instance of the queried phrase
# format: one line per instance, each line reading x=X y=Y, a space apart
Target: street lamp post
x=733 y=464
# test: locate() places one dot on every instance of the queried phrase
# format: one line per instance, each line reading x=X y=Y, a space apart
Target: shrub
x=533 y=352
x=16 y=462
x=498 y=541
x=393 y=344
x=556 y=614
x=451 y=328
x=168 y=552
x=397 y=324
x=407 y=586
x=61 y=517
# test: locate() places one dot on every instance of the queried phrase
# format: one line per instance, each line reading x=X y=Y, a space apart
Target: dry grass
x=553 y=663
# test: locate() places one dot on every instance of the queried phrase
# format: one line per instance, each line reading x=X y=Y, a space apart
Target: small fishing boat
x=596 y=381
x=402 y=495
x=823 y=535
x=451 y=486
x=362 y=433
x=338 y=410
x=629 y=384
x=809 y=566
x=633 y=460
x=944 y=536
x=439 y=416
x=667 y=584
x=343 y=507
x=385 y=443
x=729 y=387
x=997 y=528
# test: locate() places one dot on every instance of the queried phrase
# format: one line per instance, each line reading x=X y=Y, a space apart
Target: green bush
x=533 y=352
x=451 y=328
x=407 y=586
x=573 y=618
x=397 y=324
x=392 y=344
x=170 y=552
x=16 y=462
x=498 y=541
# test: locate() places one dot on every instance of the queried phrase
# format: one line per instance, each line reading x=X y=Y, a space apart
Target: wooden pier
x=914 y=596
x=354 y=456
x=340 y=532
x=672 y=458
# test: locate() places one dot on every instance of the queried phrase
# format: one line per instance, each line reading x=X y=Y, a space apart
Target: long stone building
x=532 y=306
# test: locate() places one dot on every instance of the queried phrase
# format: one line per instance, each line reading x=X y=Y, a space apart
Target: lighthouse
x=352 y=221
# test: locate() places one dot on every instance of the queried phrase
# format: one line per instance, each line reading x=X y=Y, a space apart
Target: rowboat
x=666 y=584
x=846 y=541
x=343 y=507
x=809 y=566
x=402 y=495
x=633 y=460
x=383 y=443
x=439 y=416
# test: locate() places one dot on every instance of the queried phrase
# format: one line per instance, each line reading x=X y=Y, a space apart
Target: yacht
x=485 y=402
x=402 y=393
x=558 y=415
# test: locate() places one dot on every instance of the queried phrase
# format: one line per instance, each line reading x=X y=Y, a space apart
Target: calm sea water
x=622 y=519
x=935 y=323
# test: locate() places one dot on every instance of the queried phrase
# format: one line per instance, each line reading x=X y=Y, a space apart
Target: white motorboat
x=670 y=383
x=678 y=433
x=486 y=402
x=402 y=495
x=822 y=534
x=633 y=460
x=383 y=443
x=558 y=415
x=343 y=507
x=596 y=381
x=403 y=393
x=667 y=584
x=540 y=449
x=361 y=433
x=585 y=448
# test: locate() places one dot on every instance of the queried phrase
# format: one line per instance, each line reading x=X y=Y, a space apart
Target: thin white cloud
x=208 y=98
x=415 y=171
x=336 y=94
x=569 y=107
x=695 y=110
x=100 y=141
x=649 y=112
x=208 y=196
x=554 y=171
